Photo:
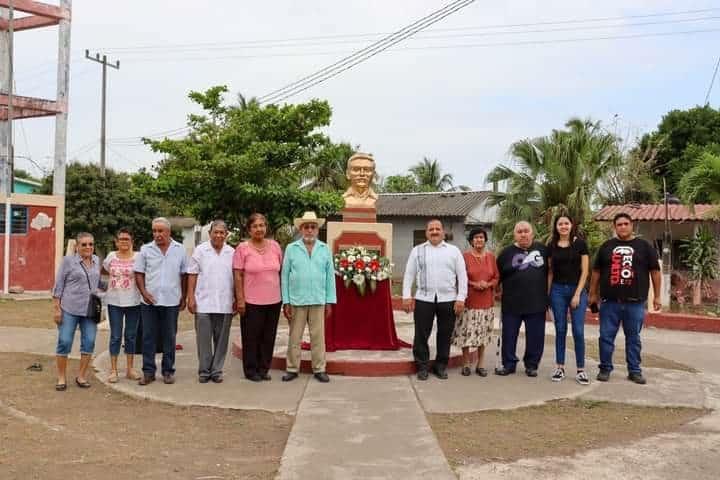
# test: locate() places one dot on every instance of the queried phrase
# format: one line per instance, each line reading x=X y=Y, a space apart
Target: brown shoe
x=169 y=379
x=146 y=380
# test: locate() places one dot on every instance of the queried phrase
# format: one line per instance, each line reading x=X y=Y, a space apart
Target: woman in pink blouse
x=256 y=266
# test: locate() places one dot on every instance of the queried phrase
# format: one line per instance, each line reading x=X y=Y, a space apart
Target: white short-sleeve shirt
x=214 y=290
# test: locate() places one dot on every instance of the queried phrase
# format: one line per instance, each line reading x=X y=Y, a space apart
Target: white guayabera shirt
x=438 y=271
x=214 y=289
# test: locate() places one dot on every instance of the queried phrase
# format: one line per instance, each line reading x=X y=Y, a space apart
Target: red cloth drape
x=362 y=323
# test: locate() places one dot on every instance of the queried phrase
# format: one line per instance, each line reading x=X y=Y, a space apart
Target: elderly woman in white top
x=123 y=301
x=77 y=278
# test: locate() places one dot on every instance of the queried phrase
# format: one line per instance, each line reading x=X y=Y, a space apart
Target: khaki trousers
x=314 y=317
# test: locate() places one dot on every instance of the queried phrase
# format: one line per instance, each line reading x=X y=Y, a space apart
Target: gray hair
x=218 y=223
x=524 y=223
x=82 y=235
x=163 y=221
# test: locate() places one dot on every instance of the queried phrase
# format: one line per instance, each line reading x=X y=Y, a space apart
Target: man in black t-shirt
x=523 y=276
x=620 y=281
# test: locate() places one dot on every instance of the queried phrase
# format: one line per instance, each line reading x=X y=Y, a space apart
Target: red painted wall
x=32 y=256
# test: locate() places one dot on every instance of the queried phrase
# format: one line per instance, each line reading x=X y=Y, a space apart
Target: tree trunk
x=697 y=292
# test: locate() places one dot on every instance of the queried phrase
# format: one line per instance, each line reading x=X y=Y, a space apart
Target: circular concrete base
x=357 y=363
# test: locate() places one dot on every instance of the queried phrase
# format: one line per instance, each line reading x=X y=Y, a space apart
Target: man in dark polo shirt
x=620 y=284
x=523 y=276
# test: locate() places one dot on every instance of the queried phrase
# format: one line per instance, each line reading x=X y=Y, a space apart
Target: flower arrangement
x=356 y=265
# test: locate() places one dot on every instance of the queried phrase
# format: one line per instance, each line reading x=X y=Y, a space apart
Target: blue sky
x=463 y=106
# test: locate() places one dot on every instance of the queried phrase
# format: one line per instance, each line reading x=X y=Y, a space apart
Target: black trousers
x=534 y=338
x=258 y=328
x=424 y=315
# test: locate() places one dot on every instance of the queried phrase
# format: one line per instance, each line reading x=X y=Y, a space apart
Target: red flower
x=374 y=265
x=359 y=265
x=344 y=263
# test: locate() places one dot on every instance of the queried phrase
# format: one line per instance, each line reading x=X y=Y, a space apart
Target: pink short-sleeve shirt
x=261 y=272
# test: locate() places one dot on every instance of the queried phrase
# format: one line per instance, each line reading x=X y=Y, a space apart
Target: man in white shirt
x=440 y=277
x=211 y=297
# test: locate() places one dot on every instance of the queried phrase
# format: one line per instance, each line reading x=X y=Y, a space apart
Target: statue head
x=360 y=171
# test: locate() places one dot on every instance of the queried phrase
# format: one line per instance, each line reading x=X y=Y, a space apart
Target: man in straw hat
x=308 y=290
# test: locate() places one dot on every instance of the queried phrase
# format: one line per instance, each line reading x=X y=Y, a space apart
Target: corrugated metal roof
x=439 y=204
x=654 y=212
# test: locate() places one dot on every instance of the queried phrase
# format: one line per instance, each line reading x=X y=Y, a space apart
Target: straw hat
x=308 y=217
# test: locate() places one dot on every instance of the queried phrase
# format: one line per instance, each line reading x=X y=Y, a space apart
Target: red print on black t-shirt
x=621 y=266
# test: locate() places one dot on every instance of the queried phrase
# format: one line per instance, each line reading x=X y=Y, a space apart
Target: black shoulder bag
x=95 y=304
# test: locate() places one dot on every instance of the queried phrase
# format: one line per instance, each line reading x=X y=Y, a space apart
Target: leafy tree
x=559 y=172
x=678 y=130
x=240 y=159
x=632 y=180
x=102 y=205
x=400 y=184
x=701 y=257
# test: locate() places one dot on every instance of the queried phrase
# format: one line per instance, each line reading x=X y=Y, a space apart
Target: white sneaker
x=558 y=375
x=582 y=378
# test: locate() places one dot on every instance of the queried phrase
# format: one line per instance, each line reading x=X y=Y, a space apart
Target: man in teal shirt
x=308 y=290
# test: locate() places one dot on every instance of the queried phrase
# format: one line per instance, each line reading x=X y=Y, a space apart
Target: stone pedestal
x=373 y=236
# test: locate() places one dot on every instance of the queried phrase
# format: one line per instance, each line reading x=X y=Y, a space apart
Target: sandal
x=133 y=375
x=113 y=377
x=61 y=387
x=80 y=384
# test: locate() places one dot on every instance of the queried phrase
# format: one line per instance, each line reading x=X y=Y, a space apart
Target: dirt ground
x=99 y=433
x=557 y=428
x=38 y=314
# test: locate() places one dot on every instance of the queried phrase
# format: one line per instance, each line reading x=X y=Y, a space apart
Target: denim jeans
x=561 y=295
x=132 y=317
x=159 y=322
x=66 y=334
x=631 y=315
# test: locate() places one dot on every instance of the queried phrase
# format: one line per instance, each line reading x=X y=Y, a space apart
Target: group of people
x=147 y=290
x=534 y=280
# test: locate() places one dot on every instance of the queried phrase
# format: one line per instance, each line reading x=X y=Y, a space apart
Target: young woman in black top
x=569 y=268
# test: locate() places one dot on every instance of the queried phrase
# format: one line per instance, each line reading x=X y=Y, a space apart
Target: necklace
x=260 y=249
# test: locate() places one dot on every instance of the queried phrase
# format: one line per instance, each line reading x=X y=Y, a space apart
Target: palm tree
x=429 y=176
x=559 y=172
x=326 y=172
x=702 y=181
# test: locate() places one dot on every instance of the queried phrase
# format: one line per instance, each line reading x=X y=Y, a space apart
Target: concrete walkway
x=371 y=428
x=376 y=427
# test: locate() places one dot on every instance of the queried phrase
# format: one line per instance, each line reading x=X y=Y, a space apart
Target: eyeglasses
x=87 y=244
x=309 y=226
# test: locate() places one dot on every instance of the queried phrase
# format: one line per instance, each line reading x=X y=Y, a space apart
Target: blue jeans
x=561 y=295
x=66 y=334
x=631 y=315
x=159 y=322
x=132 y=317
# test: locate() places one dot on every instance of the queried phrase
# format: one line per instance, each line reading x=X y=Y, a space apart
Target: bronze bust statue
x=361 y=172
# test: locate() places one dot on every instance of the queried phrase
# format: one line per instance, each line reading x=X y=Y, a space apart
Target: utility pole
x=102 y=61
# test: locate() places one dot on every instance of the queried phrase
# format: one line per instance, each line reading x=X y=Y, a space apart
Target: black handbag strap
x=82 y=265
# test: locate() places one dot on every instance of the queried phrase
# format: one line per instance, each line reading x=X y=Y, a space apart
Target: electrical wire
x=362 y=55
x=712 y=82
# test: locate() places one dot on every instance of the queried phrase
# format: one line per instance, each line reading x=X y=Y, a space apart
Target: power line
x=204 y=45
x=712 y=82
x=362 y=55
x=419 y=37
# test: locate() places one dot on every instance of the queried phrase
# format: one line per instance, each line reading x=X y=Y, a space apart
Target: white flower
x=382 y=275
x=345 y=277
x=351 y=258
x=358 y=279
x=366 y=259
